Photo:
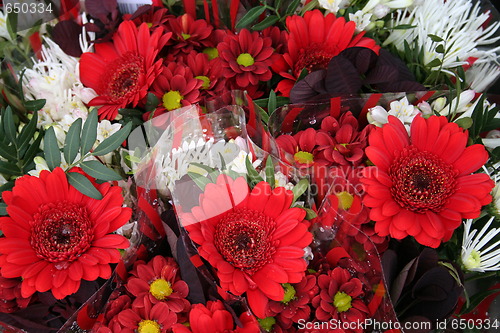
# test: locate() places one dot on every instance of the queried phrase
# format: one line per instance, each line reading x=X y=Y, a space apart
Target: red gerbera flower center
x=315 y=57
x=421 y=180
x=243 y=238
x=122 y=77
x=61 y=231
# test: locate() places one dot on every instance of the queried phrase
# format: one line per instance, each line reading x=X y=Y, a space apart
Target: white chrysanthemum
x=401 y=109
x=477 y=253
x=460 y=23
x=333 y=6
x=380 y=5
x=56 y=79
x=480 y=77
x=361 y=19
x=459 y=104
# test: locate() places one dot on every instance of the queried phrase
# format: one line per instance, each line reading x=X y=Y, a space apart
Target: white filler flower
x=477 y=253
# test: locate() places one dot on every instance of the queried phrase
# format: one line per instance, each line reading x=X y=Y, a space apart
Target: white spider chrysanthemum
x=459 y=104
x=481 y=76
x=333 y=6
x=56 y=79
x=460 y=23
x=477 y=253
x=401 y=109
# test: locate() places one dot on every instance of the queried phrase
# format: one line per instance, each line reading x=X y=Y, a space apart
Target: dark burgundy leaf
x=434 y=285
x=399 y=86
x=403 y=279
x=387 y=58
x=110 y=5
x=309 y=87
x=189 y=274
x=361 y=57
x=66 y=35
x=342 y=77
x=389 y=266
x=141 y=11
x=99 y=8
x=382 y=74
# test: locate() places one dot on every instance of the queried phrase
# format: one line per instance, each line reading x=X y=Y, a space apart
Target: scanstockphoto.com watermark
x=372 y=325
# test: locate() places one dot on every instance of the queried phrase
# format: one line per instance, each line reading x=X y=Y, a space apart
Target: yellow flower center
x=303 y=157
x=267 y=323
x=473 y=261
x=148 y=326
x=289 y=293
x=160 y=289
x=172 y=100
x=185 y=36
x=149 y=24
x=245 y=59
x=211 y=52
x=345 y=200
x=342 y=301
x=206 y=81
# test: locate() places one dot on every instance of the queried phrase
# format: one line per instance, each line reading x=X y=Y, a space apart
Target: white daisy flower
x=333 y=6
x=361 y=19
x=462 y=29
x=477 y=253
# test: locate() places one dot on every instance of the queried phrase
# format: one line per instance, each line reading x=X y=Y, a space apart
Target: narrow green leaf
x=199 y=180
x=303 y=74
x=9 y=126
x=8 y=168
x=99 y=171
x=465 y=122
x=300 y=189
x=130 y=112
x=271 y=104
x=34 y=105
x=27 y=133
x=7 y=186
x=222 y=162
x=72 y=142
x=202 y=166
x=270 y=171
x=310 y=214
x=3 y=209
x=83 y=184
x=253 y=176
x=12 y=25
x=435 y=38
x=440 y=48
x=265 y=23
x=310 y=6
x=292 y=7
x=434 y=63
x=33 y=149
x=113 y=142
x=8 y=152
x=89 y=133
x=264 y=116
x=51 y=149
x=250 y=16
x=404 y=27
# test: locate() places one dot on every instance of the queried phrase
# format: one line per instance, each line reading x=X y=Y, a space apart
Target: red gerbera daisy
x=313 y=41
x=175 y=87
x=422 y=185
x=122 y=72
x=55 y=236
x=146 y=319
x=159 y=281
x=303 y=147
x=253 y=239
x=340 y=298
x=246 y=57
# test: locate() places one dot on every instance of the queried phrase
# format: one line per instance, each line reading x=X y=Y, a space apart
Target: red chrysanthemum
x=55 y=236
x=148 y=318
x=208 y=71
x=340 y=298
x=159 y=281
x=253 y=239
x=422 y=185
x=190 y=34
x=346 y=143
x=246 y=58
x=175 y=87
x=303 y=147
x=121 y=72
x=295 y=306
x=313 y=41
x=11 y=299
x=153 y=16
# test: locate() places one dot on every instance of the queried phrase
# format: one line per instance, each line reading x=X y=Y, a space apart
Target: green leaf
x=8 y=152
x=151 y=102
x=300 y=189
x=32 y=151
x=34 y=105
x=264 y=116
x=199 y=180
x=435 y=38
x=434 y=63
x=253 y=176
x=3 y=209
x=99 y=171
x=9 y=126
x=12 y=25
x=8 y=168
x=130 y=112
x=404 y=27
x=440 y=48
x=202 y=166
x=303 y=74
x=51 y=149
x=292 y=7
x=310 y=6
x=89 y=133
x=83 y=184
x=113 y=142
x=310 y=214
x=265 y=23
x=270 y=171
x=250 y=16
x=7 y=186
x=465 y=122
x=475 y=300
x=27 y=133
x=271 y=104
x=72 y=142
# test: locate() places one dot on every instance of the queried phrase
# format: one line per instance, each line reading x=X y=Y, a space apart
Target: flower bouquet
x=249 y=166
